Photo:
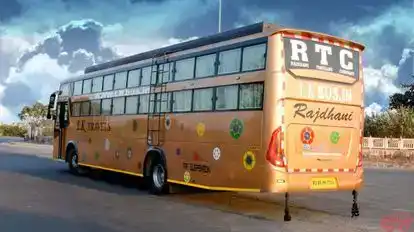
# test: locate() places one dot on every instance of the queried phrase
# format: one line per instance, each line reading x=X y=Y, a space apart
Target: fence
x=388 y=143
x=388 y=147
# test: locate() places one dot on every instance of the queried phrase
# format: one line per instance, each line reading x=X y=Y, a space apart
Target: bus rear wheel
x=157 y=177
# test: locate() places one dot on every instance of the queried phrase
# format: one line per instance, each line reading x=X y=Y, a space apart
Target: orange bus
x=259 y=108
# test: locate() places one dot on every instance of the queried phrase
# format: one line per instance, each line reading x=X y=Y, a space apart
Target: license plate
x=324 y=183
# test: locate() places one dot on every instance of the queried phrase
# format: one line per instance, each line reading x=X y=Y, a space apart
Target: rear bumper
x=282 y=181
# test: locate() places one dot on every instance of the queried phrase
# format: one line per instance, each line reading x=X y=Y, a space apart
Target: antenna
x=219 y=17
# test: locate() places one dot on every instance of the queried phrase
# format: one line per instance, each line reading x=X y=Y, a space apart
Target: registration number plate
x=324 y=183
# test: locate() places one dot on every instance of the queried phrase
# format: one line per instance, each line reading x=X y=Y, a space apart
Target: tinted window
x=118 y=105
x=95 y=107
x=251 y=96
x=76 y=108
x=165 y=72
x=106 y=106
x=229 y=61
x=184 y=69
x=131 y=105
x=205 y=65
x=254 y=57
x=146 y=76
x=97 y=84
x=227 y=97
x=120 y=80
x=108 y=82
x=165 y=102
x=65 y=89
x=182 y=101
x=203 y=99
x=77 y=89
x=143 y=103
x=87 y=86
x=85 y=108
x=133 y=77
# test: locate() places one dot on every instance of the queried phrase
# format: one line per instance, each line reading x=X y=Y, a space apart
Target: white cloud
x=42 y=74
x=254 y=14
x=6 y=116
x=37 y=74
x=373 y=109
x=381 y=80
x=129 y=47
x=406 y=54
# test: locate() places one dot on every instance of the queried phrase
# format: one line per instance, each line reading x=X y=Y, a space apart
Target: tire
x=157 y=178
x=73 y=162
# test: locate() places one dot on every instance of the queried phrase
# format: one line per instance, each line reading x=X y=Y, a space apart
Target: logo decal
x=216 y=153
x=117 y=154
x=334 y=137
x=201 y=128
x=129 y=153
x=107 y=144
x=249 y=160
x=187 y=176
x=97 y=155
x=307 y=135
x=236 y=128
x=167 y=122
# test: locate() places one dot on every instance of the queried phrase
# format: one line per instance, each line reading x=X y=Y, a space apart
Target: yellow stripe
x=213 y=187
x=176 y=181
x=112 y=170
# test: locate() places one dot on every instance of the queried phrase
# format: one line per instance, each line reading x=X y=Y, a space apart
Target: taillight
x=274 y=151
x=359 y=164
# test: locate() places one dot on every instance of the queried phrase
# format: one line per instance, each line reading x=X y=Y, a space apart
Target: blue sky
x=45 y=41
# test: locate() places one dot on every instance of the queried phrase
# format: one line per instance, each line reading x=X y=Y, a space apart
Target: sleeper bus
x=259 y=108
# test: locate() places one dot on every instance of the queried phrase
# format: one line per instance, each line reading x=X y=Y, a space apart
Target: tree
x=405 y=99
x=12 y=130
x=33 y=117
x=393 y=123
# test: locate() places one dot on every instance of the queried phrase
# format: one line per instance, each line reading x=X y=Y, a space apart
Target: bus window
x=227 y=97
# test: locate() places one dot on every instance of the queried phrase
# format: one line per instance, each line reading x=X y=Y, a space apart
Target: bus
x=260 y=108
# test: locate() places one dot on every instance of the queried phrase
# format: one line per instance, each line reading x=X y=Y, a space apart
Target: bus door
x=58 y=110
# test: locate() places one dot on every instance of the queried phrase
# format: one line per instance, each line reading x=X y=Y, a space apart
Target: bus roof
x=215 y=38
x=266 y=29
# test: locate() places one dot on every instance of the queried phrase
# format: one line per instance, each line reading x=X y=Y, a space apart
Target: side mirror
x=51 y=105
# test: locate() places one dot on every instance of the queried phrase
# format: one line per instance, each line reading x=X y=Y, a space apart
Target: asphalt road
x=38 y=194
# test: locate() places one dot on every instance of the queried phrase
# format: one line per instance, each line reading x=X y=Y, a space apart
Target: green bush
x=393 y=123
x=12 y=130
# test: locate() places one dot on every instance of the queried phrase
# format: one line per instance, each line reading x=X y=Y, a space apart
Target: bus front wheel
x=157 y=177
x=73 y=165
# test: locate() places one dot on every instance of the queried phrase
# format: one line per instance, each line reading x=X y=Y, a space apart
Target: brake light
x=274 y=151
x=359 y=164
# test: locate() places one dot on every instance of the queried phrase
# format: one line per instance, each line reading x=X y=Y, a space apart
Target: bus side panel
x=273 y=106
x=203 y=145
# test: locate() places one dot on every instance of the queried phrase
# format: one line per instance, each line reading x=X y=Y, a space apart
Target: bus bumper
x=283 y=181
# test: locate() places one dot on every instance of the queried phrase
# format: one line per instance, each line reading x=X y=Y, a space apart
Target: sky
x=43 y=42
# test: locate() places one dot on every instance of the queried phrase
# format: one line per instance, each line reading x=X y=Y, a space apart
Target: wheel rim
x=158 y=176
x=75 y=160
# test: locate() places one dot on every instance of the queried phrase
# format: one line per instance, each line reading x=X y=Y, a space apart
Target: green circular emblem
x=236 y=128
x=334 y=137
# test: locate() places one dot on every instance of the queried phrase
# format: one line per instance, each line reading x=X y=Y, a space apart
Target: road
x=39 y=194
